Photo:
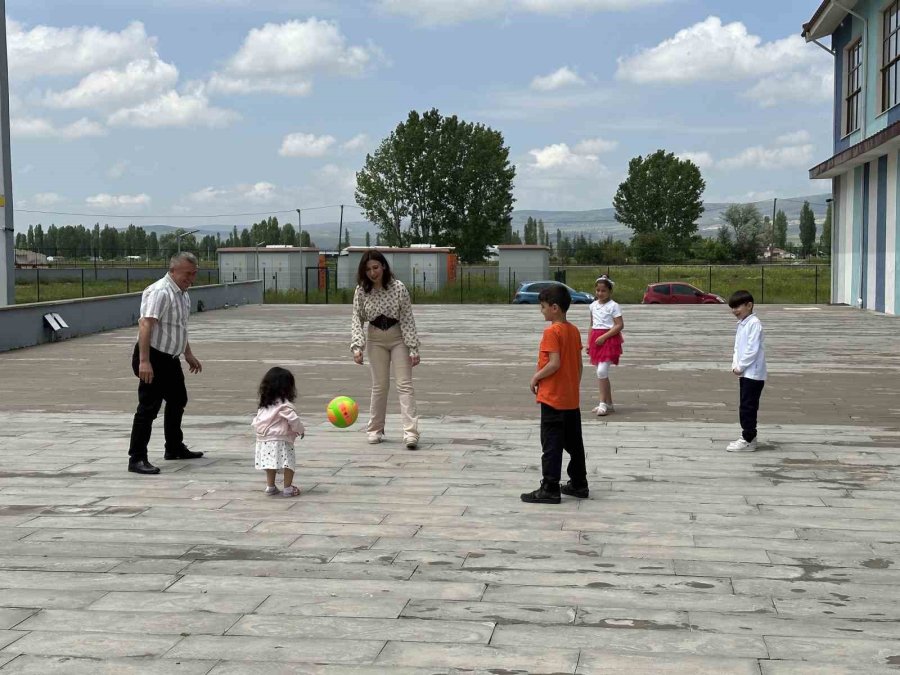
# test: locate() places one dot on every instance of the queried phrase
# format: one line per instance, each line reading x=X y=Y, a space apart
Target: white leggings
x=603 y=370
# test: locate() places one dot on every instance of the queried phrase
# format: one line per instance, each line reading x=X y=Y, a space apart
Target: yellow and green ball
x=342 y=411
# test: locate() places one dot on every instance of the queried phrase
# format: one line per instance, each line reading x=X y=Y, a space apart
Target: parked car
x=678 y=293
x=529 y=290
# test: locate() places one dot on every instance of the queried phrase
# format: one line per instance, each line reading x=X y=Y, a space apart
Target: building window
x=854 y=87
x=890 y=56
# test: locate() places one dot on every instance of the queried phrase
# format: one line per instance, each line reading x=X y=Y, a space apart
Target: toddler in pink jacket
x=277 y=426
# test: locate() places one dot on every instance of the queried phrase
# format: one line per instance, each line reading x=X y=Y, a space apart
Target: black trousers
x=168 y=385
x=561 y=430
x=750 y=391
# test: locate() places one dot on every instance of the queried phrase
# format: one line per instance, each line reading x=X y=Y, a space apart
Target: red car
x=678 y=293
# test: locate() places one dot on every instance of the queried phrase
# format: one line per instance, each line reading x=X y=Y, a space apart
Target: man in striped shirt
x=162 y=339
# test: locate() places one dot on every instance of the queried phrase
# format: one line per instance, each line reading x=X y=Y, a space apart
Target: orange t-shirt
x=561 y=389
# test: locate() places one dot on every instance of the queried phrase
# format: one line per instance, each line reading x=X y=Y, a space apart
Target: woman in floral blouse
x=383 y=302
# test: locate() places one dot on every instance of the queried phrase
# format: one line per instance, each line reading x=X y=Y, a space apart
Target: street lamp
x=262 y=243
x=179 y=235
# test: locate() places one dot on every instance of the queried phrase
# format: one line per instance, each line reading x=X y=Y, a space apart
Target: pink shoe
x=291 y=491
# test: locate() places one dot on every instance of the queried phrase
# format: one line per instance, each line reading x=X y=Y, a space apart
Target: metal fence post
x=657 y=274
x=461 y=286
x=762 y=284
x=816 y=292
x=275 y=277
x=127 y=281
x=326 y=285
x=37 y=271
x=710 y=279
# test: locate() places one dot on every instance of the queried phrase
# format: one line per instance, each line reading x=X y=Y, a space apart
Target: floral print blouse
x=392 y=301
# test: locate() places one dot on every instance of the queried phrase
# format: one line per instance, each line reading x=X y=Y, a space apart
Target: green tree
x=746 y=222
x=29 y=238
x=781 y=228
x=21 y=241
x=346 y=237
x=39 y=238
x=288 y=235
x=662 y=196
x=153 y=245
x=439 y=180
x=825 y=238
x=368 y=240
x=807 y=229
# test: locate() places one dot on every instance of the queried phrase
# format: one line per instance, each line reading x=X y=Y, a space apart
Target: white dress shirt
x=170 y=306
x=749 y=350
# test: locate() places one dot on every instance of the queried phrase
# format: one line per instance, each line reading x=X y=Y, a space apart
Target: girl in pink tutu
x=604 y=343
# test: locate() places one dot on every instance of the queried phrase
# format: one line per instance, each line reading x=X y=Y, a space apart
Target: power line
x=164 y=217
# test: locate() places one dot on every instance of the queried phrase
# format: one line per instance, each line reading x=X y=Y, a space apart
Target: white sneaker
x=601 y=410
x=740 y=445
x=610 y=407
x=375 y=437
x=412 y=442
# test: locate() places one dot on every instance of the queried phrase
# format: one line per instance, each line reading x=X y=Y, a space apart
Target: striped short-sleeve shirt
x=170 y=306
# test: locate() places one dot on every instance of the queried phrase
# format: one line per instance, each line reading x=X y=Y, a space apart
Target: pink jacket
x=278 y=422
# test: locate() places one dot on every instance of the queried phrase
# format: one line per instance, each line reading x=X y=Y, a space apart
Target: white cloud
x=108 y=201
x=118 y=169
x=284 y=58
x=715 y=52
x=703 y=160
x=336 y=177
x=258 y=193
x=45 y=199
x=760 y=157
x=595 y=146
x=138 y=80
x=41 y=128
x=207 y=195
x=358 y=142
x=794 y=138
x=558 y=79
x=305 y=145
x=172 y=109
x=48 y=51
x=560 y=157
x=445 y=12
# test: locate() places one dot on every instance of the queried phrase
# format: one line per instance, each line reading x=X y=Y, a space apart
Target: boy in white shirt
x=749 y=364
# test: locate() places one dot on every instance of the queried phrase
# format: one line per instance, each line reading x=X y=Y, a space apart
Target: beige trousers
x=385 y=347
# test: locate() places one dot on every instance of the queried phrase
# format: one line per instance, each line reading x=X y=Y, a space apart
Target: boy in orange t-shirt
x=556 y=384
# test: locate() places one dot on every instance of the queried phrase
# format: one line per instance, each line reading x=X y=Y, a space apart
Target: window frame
x=890 y=64
x=852 y=97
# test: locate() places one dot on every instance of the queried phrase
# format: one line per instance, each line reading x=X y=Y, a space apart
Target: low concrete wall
x=23 y=325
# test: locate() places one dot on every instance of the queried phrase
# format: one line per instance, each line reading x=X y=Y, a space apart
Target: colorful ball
x=342 y=411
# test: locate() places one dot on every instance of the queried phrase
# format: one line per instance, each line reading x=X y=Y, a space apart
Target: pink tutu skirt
x=609 y=351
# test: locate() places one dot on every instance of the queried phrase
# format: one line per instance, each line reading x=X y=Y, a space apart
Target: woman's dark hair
x=277 y=385
x=739 y=298
x=363 y=279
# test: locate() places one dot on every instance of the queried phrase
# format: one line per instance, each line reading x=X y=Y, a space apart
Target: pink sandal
x=291 y=491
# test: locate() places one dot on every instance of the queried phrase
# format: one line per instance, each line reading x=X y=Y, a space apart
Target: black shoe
x=182 y=453
x=548 y=493
x=572 y=491
x=144 y=467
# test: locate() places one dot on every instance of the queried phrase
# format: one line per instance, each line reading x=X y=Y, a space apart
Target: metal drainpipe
x=865 y=64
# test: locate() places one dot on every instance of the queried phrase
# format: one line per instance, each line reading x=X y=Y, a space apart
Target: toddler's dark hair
x=556 y=294
x=277 y=385
x=739 y=298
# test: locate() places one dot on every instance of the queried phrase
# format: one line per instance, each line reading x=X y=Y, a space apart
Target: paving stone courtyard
x=685 y=559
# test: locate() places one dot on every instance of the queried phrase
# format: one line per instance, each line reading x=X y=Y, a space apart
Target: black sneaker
x=548 y=493
x=182 y=453
x=572 y=491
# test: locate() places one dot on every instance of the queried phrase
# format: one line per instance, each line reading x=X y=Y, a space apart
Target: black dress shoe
x=182 y=453
x=144 y=467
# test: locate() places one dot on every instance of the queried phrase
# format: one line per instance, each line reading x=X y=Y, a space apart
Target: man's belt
x=383 y=322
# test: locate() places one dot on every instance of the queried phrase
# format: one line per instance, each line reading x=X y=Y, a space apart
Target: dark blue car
x=529 y=290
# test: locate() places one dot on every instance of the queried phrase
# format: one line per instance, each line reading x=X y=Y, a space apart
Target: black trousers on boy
x=168 y=385
x=750 y=391
x=561 y=430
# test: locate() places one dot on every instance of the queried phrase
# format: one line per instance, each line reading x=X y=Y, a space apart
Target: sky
x=202 y=108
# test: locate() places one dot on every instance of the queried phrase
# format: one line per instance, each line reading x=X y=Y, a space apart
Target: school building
x=865 y=44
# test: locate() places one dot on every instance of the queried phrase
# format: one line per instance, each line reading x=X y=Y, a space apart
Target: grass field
x=805 y=284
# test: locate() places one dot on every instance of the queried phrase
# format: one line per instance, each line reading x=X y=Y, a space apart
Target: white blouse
x=394 y=303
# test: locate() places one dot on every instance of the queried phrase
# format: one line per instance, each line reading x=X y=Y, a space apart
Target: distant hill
x=596 y=223
x=601 y=223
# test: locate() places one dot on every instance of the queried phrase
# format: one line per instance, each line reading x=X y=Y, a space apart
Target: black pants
x=750 y=391
x=168 y=386
x=561 y=430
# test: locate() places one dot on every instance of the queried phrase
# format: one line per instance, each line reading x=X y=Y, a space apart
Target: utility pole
x=772 y=240
x=7 y=241
x=299 y=228
x=340 y=230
